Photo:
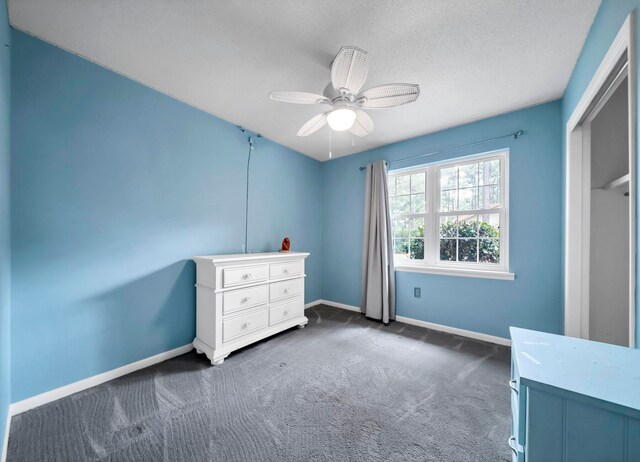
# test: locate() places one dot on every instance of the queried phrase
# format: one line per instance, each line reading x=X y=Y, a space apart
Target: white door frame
x=578 y=184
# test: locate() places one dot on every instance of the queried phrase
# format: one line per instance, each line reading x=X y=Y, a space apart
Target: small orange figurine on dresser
x=286 y=244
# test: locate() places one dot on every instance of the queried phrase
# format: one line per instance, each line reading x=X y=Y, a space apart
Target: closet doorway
x=600 y=201
x=609 y=234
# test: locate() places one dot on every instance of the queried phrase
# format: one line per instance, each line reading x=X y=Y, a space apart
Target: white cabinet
x=243 y=298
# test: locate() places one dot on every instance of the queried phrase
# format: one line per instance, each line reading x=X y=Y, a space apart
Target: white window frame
x=431 y=263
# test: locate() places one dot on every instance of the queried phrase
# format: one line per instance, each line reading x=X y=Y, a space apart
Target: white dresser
x=243 y=298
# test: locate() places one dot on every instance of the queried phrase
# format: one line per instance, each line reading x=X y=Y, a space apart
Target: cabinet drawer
x=518 y=414
x=285 y=289
x=241 y=325
x=235 y=300
x=246 y=275
x=290 y=309
x=515 y=411
x=285 y=270
x=513 y=394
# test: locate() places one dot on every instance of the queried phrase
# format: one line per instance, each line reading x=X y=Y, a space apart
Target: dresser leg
x=199 y=351
x=301 y=326
x=217 y=360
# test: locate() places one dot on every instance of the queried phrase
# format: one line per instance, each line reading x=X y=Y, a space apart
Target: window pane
x=402 y=184
x=467 y=199
x=392 y=186
x=448 y=201
x=400 y=227
x=448 y=178
x=468 y=175
x=448 y=249
x=489 y=225
x=416 y=249
x=490 y=172
x=448 y=227
x=417 y=203
x=401 y=248
x=490 y=250
x=400 y=205
x=468 y=226
x=489 y=197
x=468 y=250
x=417 y=183
x=416 y=227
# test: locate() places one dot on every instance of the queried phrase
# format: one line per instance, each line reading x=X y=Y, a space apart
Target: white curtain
x=378 y=280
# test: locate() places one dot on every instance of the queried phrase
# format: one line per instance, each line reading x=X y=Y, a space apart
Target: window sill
x=463 y=272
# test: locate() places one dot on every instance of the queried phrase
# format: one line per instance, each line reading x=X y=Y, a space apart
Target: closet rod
x=515 y=135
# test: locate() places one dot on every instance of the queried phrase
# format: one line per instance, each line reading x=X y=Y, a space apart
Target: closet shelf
x=622 y=182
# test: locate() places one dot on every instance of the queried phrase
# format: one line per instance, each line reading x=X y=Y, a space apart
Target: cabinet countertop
x=607 y=372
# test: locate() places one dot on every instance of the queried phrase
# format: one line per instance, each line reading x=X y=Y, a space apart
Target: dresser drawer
x=285 y=270
x=240 y=299
x=241 y=325
x=287 y=310
x=285 y=289
x=245 y=275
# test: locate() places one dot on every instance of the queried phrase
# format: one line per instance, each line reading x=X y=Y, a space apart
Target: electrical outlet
x=416 y=292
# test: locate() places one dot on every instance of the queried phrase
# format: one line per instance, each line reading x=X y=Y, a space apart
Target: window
x=452 y=217
x=407 y=196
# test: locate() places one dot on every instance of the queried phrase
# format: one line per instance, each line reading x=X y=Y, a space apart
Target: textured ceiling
x=472 y=59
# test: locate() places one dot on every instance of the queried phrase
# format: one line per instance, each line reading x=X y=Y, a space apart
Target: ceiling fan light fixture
x=348 y=72
x=341 y=119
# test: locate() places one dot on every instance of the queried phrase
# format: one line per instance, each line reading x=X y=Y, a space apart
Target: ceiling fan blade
x=298 y=97
x=313 y=125
x=349 y=69
x=363 y=124
x=388 y=95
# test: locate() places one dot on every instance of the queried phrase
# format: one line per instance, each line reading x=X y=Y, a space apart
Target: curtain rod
x=515 y=135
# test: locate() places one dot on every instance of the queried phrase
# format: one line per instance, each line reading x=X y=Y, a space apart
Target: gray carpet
x=343 y=389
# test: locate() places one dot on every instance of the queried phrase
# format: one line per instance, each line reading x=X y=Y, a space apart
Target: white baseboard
x=335 y=305
x=5 y=442
x=455 y=331
x=428 y=325
x=49 y=396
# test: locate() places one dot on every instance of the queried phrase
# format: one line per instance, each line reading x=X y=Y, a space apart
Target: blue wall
x=605 y=27
x=114 y=188
x=534 y=299
x=5 y=297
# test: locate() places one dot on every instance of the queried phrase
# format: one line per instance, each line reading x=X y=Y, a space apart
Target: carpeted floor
x=343 y=389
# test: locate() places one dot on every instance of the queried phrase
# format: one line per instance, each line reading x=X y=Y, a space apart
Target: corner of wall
x=5 y=229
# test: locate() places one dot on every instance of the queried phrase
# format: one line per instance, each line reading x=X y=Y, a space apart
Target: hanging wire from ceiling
x=250 y=143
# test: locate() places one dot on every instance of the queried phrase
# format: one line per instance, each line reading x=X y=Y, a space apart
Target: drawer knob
x=246 y=324
x=286 y=312
x=286 y=291
x=247 y=276
x=246 y=299
x=285 y=271
x=514 y=387
x=512 y=444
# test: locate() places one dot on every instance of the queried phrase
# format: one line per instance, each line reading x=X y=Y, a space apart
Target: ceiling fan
x=348 y=73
